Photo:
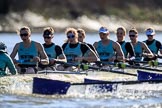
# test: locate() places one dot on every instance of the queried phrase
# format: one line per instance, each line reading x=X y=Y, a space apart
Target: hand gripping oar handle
x=123 y=65
x=106 y=70
x=86 y=67
x=151 y=62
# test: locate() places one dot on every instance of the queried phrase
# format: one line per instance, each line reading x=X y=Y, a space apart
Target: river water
x=123 y=98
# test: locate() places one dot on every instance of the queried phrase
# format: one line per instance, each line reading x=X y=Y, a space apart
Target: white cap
x=150 y=31
x=103 y=30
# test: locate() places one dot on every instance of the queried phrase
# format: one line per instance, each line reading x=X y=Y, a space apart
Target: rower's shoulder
x=17 y=44
x=95 y=44
x=37 y=44
x=158 y=42
x=115 y=43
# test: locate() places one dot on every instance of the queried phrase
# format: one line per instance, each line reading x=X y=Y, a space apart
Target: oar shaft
x=145 y=68
x=134 y=66
x=112 y=71
x=119 y=82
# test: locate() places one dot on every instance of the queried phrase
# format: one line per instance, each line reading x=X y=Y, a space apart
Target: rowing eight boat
x=48 y=86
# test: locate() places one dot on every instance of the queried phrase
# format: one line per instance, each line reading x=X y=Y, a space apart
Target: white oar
x=61 y=72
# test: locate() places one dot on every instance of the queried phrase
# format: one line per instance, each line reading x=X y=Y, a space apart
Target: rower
x=30 y=53
x=53 y=51
x=127 y=47
x=75 y=51
x=154 y=45
x=81 y=37
x=107 y=49
x=6 y=61
x=140 y=48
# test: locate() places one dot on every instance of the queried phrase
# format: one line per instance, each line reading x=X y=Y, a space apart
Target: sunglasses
x=70 y=36
x=149 y=35
x=132 y=35
x=47 y=37
x=25 y=34
x=103 y=34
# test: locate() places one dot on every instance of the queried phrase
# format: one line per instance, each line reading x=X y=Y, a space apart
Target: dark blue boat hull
x=49 y=87
x=143 y=75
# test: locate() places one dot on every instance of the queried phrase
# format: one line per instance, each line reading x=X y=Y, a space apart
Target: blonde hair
x=71 y=30
x=133 y=30
x=81 y=31
x=24 y=28
x=49 y=29
x=123 y=29
x=150 y=28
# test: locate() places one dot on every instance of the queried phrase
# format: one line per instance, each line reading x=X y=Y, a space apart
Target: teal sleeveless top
x=138 y=51
x=6 y=62
x=27 y=54
x=153 y=47
x=71 y=53
x=51 y=53
x=105 y=52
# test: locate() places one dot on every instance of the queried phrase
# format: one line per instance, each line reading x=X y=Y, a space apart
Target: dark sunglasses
x=70 y=36
x=132 y=35
x=25 y=34
x=103 y=34
x=149 y=35
x=47 y=37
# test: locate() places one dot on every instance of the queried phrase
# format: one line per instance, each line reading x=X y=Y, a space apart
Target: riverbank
x=13 y=21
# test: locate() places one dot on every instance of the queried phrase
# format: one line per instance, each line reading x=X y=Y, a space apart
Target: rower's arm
x=120 y=54
x=147 y=50
x=60 y=54
x=10 y=65
x=14 y=52
x=42 y=53
x=88 y=54
x=95 y=45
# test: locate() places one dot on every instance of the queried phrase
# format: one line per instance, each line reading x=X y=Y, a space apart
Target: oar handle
x=159 y=56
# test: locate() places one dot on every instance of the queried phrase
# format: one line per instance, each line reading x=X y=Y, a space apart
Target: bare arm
x=43 y=56
x=146 y=50
x=92 y=57
x=120 y=54
x=62 y=57
x=14 y=52
x=95 y=44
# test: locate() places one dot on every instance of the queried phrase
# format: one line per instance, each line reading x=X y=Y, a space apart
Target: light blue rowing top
x=27 y=54
x=51 y=53
x=138 y=51
x=153 y=47
x=105 y=51
x=71 y=53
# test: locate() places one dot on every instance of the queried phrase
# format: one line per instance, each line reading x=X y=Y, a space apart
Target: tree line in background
x=141 y=10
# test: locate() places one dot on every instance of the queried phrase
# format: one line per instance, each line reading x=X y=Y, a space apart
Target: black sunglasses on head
x=24 y=34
